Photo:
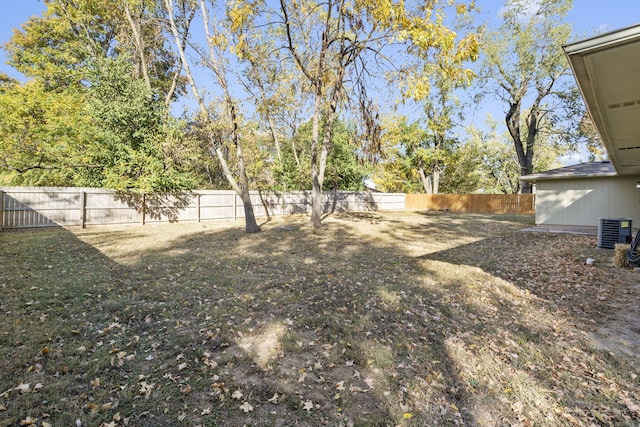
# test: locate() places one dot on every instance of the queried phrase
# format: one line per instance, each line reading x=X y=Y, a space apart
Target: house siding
x=584 y=201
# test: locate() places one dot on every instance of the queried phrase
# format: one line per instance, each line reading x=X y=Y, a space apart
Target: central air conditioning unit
x=612 y=231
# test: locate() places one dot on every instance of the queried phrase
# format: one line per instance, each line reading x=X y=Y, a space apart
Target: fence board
x=23 y=207
x=517 y=204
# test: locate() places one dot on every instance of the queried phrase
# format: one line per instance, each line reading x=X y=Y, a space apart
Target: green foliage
x=525 y=66
x=113 y=134
x=411 y=149
x=464 y=173
x=345 y=170
x=46 y=136
x=289 y=173
x=96 y=112
x=487 y=163
x=132 y=133
x=59 y=47
x=397 y=176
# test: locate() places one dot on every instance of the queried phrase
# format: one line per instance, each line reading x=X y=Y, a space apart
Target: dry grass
x=620 y=255
x=375 y=319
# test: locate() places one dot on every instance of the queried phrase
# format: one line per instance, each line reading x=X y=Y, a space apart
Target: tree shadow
x=348 y=320
x=337 y=332
x=157 y=206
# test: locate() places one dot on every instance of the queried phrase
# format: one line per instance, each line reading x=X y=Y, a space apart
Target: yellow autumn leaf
x=23 y=388
x=28 y=421
x=92 y=406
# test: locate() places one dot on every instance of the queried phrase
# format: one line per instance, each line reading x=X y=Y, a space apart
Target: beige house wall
x=583 y=201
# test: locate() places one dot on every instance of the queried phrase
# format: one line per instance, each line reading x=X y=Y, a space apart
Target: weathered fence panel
x=523 y=204
x=23 y=207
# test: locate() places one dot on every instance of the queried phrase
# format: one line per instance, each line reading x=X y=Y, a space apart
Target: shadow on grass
x=554 y=349
x=206 y=325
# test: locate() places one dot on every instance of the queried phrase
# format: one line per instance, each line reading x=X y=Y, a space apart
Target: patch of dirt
x=602 y=298
x=621 y=332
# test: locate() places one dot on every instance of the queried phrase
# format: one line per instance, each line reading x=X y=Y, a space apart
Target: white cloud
x=524 y=10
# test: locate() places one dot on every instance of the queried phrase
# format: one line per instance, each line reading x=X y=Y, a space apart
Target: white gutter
x=603 y=41
x=579 y=55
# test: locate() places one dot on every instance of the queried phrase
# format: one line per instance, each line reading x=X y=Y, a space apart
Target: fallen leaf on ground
x=308 y=405
x=23 y=388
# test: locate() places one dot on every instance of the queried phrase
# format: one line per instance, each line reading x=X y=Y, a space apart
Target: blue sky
x=588 y=17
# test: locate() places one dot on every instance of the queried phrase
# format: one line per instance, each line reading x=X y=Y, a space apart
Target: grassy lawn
x=376 y=319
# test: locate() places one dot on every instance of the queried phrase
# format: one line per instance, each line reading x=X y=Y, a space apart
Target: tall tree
x=431 y=81
x=133 y=135
x=59 y=47
x=526 y=69
x=95 y=124
x=271 y=82
x=345 y=170
x=415 y=153
x=440 y=109
x=222 y=131
x=494 y=164
x=337 y=44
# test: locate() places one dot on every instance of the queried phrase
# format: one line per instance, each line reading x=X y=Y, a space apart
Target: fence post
x=198 y=206
x=235 y=201
x=533 y=202
x=520 y=206
x=1 y=209
x=83 y=209
x=144 y=207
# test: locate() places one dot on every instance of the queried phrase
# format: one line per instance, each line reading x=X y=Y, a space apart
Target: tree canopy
x=166 y=95
x=526 y=69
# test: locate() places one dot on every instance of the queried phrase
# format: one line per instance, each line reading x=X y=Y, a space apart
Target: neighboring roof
x=581 y=170
x=606 y=68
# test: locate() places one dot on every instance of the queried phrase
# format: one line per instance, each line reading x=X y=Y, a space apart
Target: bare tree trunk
x=242 y=188
x=250 y=224
x=426 y=181
x=436 y=179
x=139 y=42
x=316 y=183
x=317 y=76
x=274 y=136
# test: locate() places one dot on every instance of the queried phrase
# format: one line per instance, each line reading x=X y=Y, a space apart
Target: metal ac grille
x=612 y=231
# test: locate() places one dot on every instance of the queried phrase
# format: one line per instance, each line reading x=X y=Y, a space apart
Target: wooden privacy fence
x=474 y=203
x=23 y=207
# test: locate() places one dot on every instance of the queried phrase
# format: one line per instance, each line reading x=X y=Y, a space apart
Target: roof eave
x=578 y=55
x=533 y=178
